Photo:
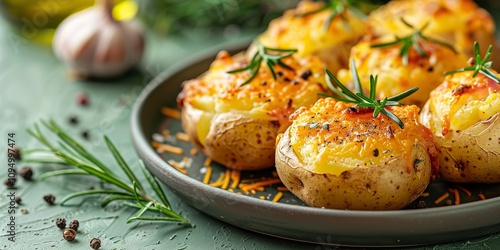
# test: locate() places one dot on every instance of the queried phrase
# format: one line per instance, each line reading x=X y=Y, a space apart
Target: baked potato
x=236 y=124
x=458 y=22
x=337 y=156
x=464 y=115
x=309 y=34
x=422 y=71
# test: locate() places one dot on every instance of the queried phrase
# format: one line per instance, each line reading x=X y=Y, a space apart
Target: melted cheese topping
x=462 y=101
x=308 y=35
x=426 y=73
x=329 y=138
x=217 y=91
x=458 y=22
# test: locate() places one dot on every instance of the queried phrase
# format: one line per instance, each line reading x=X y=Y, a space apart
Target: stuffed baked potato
x=308 y=31
x=458 y=22
x=333 y=156
x=235 y=123
x=422 y=71
x=464 y=115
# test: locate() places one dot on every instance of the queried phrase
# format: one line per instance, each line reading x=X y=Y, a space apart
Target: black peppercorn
x=95 y=243
x=74 y=225
x=69 y=234
x=26 y=173
x=18 y=200
x=73 y=120
x=10 y=182
x=17 y=153
x=49 y=199
x=85 y=134
x=61 y=223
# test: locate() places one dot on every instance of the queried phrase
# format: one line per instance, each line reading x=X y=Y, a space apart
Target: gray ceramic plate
x=290 y=218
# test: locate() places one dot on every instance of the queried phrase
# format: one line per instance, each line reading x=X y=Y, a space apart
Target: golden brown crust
x=307 y=33
x=458 y=22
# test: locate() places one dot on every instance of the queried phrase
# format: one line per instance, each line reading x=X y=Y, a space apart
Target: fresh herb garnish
x=479 y=65
x=271 y=56
x=338 y=8
x=72 y=153
x=343 y=94
x=413 y=41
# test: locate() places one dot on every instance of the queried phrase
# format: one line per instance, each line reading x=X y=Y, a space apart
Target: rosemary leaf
x=90 y=192
x=154 y=184
x=122 y=163
x=141 y=211
x=61 y=172
x=110 y=198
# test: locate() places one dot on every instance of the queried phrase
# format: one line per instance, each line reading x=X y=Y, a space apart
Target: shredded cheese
x=208 y=175
x=207 y=162
x=466 y=191
x=261 y=184
x=227 y=179
x=235 y=177
x=457 y=196
x=442 y=197
x=171 y=112
x=177 y=166
x=277 y=197
x=481 y=196
x=282 y=189
x=425 y=194
x=193 y=151
x=182 y=136
x=167 y=148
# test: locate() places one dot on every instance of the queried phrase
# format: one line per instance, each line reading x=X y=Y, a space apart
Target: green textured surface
x=34 y=86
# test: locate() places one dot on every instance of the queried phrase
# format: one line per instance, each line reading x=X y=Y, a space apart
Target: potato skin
x=464 y=115
x=236 y=141
x=391 y=182
x=237 y=125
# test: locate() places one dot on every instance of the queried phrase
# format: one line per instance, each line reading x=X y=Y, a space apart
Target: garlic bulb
x=93 y=44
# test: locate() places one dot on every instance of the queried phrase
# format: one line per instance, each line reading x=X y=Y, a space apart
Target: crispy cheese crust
x=237 y=125
x=394 y=77
x=458 y=22
x=308 y=35
x=330 y=138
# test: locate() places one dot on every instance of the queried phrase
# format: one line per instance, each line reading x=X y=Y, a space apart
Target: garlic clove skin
x=93 y=44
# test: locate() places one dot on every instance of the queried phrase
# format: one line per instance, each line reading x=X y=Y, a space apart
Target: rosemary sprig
x=413 y=41
x=338 y=8
x=343 y=94
x=72 y=153
x=479 y=65
x=270 y=56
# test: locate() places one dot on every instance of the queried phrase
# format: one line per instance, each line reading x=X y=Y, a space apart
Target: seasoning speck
x=306 y=75
x=85 y=134
x=61 y=223
x=375 y=152
x=24 y=210
x=74 y=225
x=49 y=199
x=82 y=99
x=18 y=200
x=95 y=243
x=69 y=234
x=26 y=173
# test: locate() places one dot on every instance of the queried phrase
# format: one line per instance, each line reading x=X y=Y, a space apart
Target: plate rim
x=170 y=177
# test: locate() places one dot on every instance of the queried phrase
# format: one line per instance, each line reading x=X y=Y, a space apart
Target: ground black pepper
x=95 y=243
x=49 y=199
x=74 y=225
x=69 y=234
x=73 y=120
x=61 y=223
x=85 y=134
x=26 y=173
